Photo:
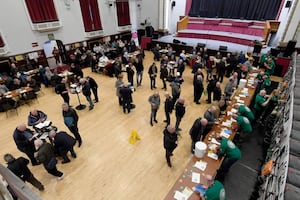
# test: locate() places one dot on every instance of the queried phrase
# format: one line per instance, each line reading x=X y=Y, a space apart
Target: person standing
x=71 y=121
x=94 y=87
x=176 y=90
x=164 y=75
x=215 y=189
x=179 y=112
x=130 y=73
x=152 y=75
x=61 y=89
x=170 y=142
x=19 y=167
x=63 y=143
x=169 y=105
x=56 y=54
x=86 y=91
x=198 y=89
x=118 y=85
x=139 y=71
x=197 y=132
x=212 y=80
x=154 y=100
x=125 y=93
x=45 y=154
x=24 y=141
x=217 y=92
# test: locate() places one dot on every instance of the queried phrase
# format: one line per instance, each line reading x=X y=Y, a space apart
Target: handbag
x=52 y=163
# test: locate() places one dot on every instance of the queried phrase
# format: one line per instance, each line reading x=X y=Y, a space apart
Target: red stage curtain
x=41 y=10
x=123 y=13
x=1 y=42
x=90 y=15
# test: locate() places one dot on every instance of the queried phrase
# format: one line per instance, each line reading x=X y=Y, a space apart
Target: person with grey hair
x=215 y=189
x=179 y=112
x=45 y=154
x=86 y=91
x=170 y=142
x=198 y=89
x=210 y=116
x=154 y=100
x=18 y=166
x=125 y=93
x=71 y=121
x=197 y=132
x=63 y=143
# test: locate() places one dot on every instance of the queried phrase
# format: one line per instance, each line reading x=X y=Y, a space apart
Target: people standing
x=170 y=142
x=130 y=73
x=154 y=100
x=198 y=89
x=63 y=143
x=45 y=154
x=197 y=132
x=164 y=75
x=152 y=75
x=19 y=167
x=56 y=54
x=86 y=91
x=139 y=71
x=169 y=105
x=61 y=89
x=212 y=80
x=125 y=93
x=176 y=90
x=94 y=87
x=71 y=121
x=118 y=85
x=23 y=138
x=179 y=112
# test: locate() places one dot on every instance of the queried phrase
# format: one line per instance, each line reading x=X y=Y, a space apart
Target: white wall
x=18 y=35
x=293 y=24
x=174 y=13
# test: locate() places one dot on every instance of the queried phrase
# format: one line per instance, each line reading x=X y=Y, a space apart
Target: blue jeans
x=89 y=99
x=139 y=78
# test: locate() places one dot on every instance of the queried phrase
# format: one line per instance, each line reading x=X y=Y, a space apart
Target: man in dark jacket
x=19 y=168
x=61 y=89
x=130 y=73
x=170 y=142
x=152 y=75
x=198 y=89
x=63 y=143
x=179 y=112
x=35 y=117
x=125 y=93
x=217 y=92
x=210 y=87
x=210 y=116
x=197 y=132
x=169 y=105
x=94 y=87
x=86 y=91
x=164 y=75
x=71 y=121
x=24 y=141
x=45 y=155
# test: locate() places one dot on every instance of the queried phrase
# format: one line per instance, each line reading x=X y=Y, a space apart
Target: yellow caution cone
x=134 y=136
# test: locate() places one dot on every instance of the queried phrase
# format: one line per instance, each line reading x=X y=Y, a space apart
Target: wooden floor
x=107 y=166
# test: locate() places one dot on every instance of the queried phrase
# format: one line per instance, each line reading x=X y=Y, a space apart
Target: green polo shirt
x=244 y=124
x=264 y=58
x=230 y=150
x=245 y=111
x=215 y=192
x=259 y=100
x=266 y=83
x=272 y=65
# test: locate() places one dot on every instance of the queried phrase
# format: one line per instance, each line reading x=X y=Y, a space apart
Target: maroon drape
x=41 y=10
x=90 y=15
x=123 y=13
x=1 y=42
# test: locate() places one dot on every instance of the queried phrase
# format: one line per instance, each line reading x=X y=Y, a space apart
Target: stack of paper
x=195 y=177
x=233 y=110
x=240 y=101
x=43 y=124
x=215 y=141
x=184 y=195
x=201 y=165
x=212 y=155
x=227 y=123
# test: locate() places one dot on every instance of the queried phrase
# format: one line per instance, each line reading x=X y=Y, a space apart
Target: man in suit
x=94 y=87
x=24 y=141
x=197 y=132
x=19 y=167
x=198 y=89
x=152 y=74
x=71 y=121
x=169 y=105
x=179 y=112
x=86 y=91
x=63 y=143
x=170 y=142
x=61 y=89
x=125 y=93
x=210 y=116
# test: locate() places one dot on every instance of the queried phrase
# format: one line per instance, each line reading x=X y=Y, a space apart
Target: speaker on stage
x=176 y=41
x=223 y=48
x=257 y=48
x=290 y=48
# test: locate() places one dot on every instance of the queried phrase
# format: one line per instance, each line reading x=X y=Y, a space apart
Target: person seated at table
x=215 y=189
x=4 y=100
x=231 y=154
x=17 y=84
x=23 y=138
x=76 y=70
x=13 y=70
x=210 y=116
x=35 y=117
x=103 y=59
x=63 y=143
x=197 y=132
x=3 y=89
x=243 y=128
x=30 y=82
x=8 y=80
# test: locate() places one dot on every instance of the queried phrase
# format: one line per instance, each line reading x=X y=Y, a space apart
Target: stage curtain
x=90 y=15
x=236 y=9
x=41 y=10
x=123 y=13
x=1 y=42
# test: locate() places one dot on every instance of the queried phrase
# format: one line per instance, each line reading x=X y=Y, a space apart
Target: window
x=90 y=15
x=123 y=12
x=41 y=11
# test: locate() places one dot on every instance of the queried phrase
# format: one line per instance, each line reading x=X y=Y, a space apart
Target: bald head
x=34 y=112
x=212 y=109
x=181 y=100
x=204 y=122
x=167 y=95
x=38 y=143
x=21 y=127
x=52 y=134
x=171 y=129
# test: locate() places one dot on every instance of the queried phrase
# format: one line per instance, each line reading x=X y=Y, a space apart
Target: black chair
x=29 y=96
x=9 y=105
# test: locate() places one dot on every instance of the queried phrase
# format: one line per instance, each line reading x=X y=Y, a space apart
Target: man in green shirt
x=264 y=58
x=231 y=153
x=270 y=66
x=244 y=128
x=261 y=103
x=215 y=189
x=244 y=111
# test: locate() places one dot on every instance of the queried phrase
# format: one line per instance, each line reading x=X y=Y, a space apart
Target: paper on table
x=241 y=95
x=179 y=196
x=240 y=101
x=201 y=165
x=212 y=155
x=43 y=124
x=187 y=192
x=195 y=177
x=237 y=98
x=225 y=135
x=215 y=141
x=44 y=136
x=233 y=110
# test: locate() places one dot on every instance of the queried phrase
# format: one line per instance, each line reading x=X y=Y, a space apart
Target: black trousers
x=95 y=92
x=36 y=183
x=30 y=153
x=74 y=130
x=168 y=118
x=152 y=82
x=164 y=83
x=66 y=98
x=197 y=95
x=63 y=153
x=126 y=105
x=224 y=169
x=54 y=172
x=169 y=153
